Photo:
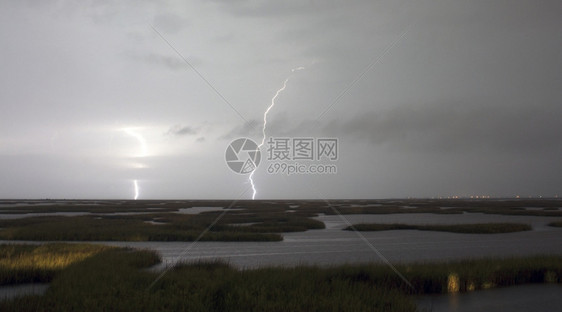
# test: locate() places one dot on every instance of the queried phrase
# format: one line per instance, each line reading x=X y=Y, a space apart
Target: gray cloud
x=264 y=8
x=469 y=100
x=248 y=129
x=169 y=23
x=459 y=127
x=170 y=62
x=178 y=130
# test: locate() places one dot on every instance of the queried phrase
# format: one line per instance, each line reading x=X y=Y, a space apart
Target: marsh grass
x=307 y=208
x=114 y=280
x=542 y=207
x=40 y=263
x=478 y=228
x=91 y=206
x=262 y=220
x=484 y=273
x=176 y=227
x=169 y=227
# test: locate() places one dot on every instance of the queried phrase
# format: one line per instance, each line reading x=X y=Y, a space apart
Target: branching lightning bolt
x=251 y=177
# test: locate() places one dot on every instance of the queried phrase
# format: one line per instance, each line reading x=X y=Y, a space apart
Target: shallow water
x=539 y=297
x=334 y=246
x=192 y=210
x=197 y=210
x=7 y=292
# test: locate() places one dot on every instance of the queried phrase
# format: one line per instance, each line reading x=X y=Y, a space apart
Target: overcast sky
x=427 y=98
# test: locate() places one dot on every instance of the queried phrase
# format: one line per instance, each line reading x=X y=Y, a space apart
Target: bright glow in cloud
x=142 y=141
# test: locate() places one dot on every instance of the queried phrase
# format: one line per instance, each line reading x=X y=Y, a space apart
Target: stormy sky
x=426 y=98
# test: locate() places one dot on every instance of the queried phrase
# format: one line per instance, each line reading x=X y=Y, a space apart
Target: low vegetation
x=527 y=207
x=231 y=226
x=40 y=263
x=523 y=207
x=246 y=220
x=89 y=206
x=469 y=275
x=479 y=228
x=114 y=279
x=556 y=224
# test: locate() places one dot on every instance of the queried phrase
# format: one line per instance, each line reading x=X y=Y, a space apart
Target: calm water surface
x=334 y=246
x=7 y=292
x=521 y=298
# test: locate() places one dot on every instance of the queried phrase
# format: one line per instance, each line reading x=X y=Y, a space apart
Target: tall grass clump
x=40 y=263
x=115 y=280
x=484 y=273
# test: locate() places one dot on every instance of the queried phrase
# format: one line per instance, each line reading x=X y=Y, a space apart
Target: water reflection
x=8 y=292
x=541 y=297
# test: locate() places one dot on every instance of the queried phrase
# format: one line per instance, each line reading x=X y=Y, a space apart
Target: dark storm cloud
x=281 y=124
x=178 y=130
x=468 y=100
x=459 y=127
x=288 y=124
x=249 y=128
x=264 y=8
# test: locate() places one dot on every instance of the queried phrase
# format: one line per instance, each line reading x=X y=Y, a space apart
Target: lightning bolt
x=142 y=153
x=137 y=189
x=251 y=177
